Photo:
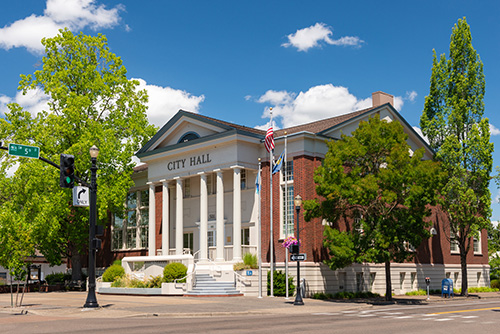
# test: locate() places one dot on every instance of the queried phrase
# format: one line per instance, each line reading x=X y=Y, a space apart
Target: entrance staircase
x=206 y=286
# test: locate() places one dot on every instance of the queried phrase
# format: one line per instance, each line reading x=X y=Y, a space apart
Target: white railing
x=240 y=280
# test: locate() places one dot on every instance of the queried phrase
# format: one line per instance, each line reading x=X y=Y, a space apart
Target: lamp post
x=298 y=298
x=91 y=297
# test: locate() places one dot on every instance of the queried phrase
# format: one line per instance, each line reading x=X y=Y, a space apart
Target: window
x=245 y=236
x=413 y=278
x=453 y=243
x=187 y=188
x=288 y=209
x=243 y=177
x=188 y=136
x=132 y=231
x=286 y=198
x=188 y=241
x=372 y=280
x=211 y=184
x=477 y=245
x=211 y=238
x=402 y=276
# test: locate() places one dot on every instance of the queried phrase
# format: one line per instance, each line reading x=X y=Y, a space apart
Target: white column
x=165 y=215
x=152 y=220
x=179 y=216
x=236 y=213
x=219 y=251
x=203 y=217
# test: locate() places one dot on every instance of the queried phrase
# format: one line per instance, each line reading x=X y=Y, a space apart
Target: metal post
x=91 y=297
x=298 y=297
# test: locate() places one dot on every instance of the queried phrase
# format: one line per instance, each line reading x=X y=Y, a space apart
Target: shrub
x=250 y=260
x=322 y=296
x=495 y=284
x=417 y=293
x=174 y=271
x=279 y=279
x=351 y=295
x=55 y=278
x=112 y=273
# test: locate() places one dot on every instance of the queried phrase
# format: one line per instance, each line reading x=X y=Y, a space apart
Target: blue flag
x=279 y=163
x=257 y=182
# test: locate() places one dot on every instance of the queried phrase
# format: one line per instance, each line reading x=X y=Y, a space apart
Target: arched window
x=188 y=136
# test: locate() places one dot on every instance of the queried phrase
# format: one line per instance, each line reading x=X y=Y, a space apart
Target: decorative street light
x=298 y=298
x=93 y=243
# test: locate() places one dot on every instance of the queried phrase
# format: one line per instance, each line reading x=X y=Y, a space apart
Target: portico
x=201 y=187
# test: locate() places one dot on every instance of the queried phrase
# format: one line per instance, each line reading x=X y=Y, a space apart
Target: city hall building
x=195 y=195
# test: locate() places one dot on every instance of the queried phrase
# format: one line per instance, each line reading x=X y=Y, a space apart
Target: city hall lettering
x=193 y=161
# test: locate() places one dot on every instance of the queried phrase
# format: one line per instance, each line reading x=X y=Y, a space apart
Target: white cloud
x=34 y=101
x=304 y=39
x=164 y=102
x=73 y=14
x=411 y=96
x=494 y=131
x=317 y=103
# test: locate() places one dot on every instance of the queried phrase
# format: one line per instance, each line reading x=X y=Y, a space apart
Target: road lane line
x=473 y=310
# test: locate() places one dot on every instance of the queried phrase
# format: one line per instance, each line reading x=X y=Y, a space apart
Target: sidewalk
x=70 y=304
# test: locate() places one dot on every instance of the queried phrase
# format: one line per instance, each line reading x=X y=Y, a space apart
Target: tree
x=91 y=103
x=453 y=121
x=373 y=180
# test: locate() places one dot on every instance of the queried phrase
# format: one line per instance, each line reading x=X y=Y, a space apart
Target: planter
x=131 y=291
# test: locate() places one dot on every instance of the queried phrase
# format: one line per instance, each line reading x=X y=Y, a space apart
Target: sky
x=233 y=60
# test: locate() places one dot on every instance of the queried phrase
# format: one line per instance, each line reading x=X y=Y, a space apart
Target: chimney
x=379 y=98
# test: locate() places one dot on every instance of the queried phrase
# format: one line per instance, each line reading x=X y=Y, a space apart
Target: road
x=480 y=316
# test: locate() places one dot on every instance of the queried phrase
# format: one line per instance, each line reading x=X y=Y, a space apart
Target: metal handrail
x=238 y=277
x=190 y=283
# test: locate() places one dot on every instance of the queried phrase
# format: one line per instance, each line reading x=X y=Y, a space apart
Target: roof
x=321 y=125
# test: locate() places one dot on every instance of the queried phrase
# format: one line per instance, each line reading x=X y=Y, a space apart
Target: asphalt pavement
x=70 y=304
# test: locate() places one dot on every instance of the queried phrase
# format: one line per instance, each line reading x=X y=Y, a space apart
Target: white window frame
x=290 y=184
x=476 y=245
x=453 y=244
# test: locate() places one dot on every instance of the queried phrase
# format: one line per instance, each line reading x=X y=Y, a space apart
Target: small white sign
x=80 y=196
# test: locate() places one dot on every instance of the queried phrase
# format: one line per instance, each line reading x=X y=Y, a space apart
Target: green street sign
x=24 y=151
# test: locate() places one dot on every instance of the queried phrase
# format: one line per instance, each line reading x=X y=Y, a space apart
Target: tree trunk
x=76 y=266
x=463 y=263
x=388 y=284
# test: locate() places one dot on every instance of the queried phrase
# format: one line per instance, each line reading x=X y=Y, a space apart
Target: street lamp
x=93 y=244
x=298 y=298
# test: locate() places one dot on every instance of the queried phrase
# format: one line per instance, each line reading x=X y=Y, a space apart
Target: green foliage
x=112 y=273
x=91 y=102
x=352 y=295
x=322 y=296
x=118 y=262
x=249 y=262
x=371 y=179
x=453 y=122
x=279 y=283
x=495 y=284
x=55 y=278
x=126 y=281
x=173 y=271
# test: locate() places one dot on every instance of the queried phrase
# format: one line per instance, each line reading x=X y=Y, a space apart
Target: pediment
x=184 y=126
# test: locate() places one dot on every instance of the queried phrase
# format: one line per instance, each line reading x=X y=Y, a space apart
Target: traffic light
x=67 y=171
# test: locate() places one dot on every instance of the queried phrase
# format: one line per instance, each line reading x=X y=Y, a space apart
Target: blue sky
x=234 y=59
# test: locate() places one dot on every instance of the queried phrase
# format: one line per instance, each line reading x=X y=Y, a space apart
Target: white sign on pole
x=80 y=196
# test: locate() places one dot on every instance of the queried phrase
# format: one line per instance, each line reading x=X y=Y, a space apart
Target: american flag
x=269 y=141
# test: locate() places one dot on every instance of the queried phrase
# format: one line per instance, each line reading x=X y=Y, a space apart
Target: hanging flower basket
x=292 y=243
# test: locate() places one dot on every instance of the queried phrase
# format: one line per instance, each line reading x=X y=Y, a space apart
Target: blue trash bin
x=447 y=287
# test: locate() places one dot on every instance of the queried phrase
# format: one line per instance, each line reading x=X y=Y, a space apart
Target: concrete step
x=206 y=285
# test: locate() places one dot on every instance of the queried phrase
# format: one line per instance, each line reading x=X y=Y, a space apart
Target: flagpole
x=286 y=216
x=271 y=241
x=259 y=233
